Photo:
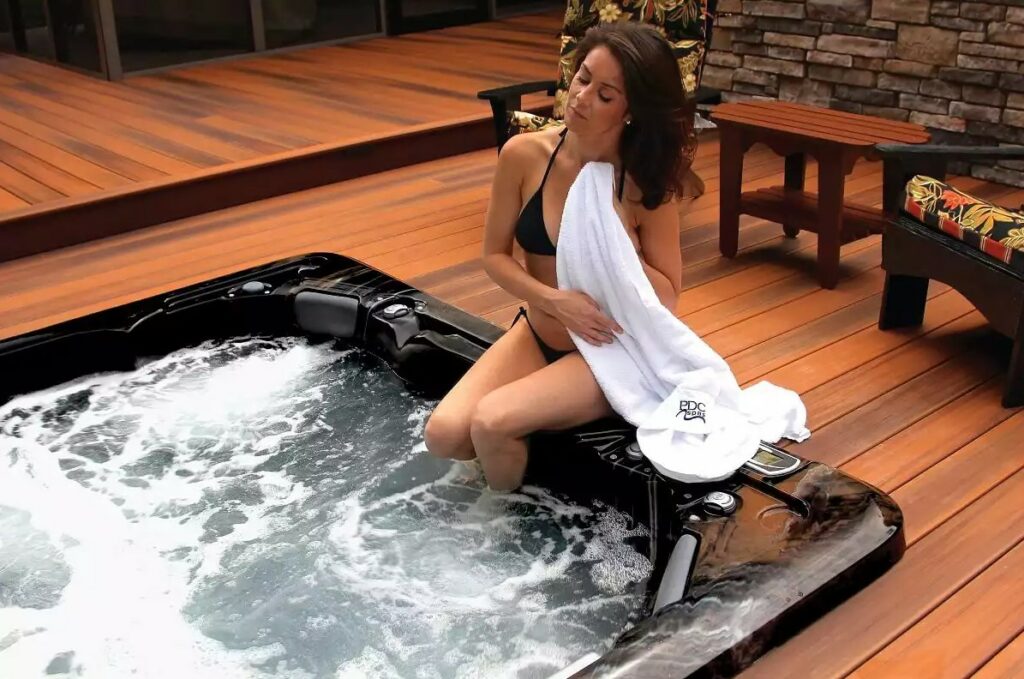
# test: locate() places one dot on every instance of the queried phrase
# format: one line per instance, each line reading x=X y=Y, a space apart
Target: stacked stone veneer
x=955 y=67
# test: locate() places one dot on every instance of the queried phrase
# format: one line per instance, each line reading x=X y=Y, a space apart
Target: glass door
x=507 y=8
x=7 y=43
x=299 y=22
x=406 y=16
x=156 y=33
x=32 y=28
x=54 y=30
x=75 y=39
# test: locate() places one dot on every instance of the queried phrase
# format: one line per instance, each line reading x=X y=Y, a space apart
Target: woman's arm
x=499 y=226
x=660 y=252
x=662 y=286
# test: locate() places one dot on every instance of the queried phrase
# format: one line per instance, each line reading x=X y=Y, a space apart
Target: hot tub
x=230 y=480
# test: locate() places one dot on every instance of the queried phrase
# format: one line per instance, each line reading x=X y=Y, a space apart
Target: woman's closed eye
x=602 y=97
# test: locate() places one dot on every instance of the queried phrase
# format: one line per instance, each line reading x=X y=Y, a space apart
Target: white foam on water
x=369 y=663
x=246 y=508
x=120 y=611
x=455 y=592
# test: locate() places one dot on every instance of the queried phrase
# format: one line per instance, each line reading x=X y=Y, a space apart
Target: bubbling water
x=265 y=507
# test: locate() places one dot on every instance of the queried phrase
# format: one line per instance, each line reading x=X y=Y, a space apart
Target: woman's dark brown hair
x=658 y=145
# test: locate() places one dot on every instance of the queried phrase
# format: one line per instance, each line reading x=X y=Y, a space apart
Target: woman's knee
x=447 y=436
x=490 y=419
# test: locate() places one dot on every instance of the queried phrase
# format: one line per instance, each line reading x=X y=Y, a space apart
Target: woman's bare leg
x=559 y=396
x=513 y=356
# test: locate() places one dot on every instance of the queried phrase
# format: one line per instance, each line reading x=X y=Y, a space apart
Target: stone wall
x=955 y=67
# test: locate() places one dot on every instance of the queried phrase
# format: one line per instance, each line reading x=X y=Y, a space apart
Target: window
x=298 y=22
x=75 y=39
x=152 y=33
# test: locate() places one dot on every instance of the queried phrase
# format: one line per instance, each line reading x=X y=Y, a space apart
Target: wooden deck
x=914 y=412
x=65 y=135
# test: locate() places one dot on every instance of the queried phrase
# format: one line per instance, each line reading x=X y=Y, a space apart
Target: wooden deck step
x=86 y=159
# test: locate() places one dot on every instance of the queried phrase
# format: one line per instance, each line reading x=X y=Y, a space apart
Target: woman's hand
x=581 y=315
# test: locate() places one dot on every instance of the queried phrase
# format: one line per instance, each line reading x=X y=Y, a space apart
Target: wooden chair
x=936 y=232
x=687 y=26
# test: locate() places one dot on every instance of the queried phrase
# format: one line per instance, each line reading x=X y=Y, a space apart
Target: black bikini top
x=530 y=230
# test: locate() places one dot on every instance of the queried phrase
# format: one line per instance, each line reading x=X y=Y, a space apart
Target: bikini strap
x=551 y=160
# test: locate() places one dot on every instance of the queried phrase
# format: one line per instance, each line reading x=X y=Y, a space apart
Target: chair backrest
x=685 y=23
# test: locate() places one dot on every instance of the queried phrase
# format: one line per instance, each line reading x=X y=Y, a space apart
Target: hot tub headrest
x=322 y=313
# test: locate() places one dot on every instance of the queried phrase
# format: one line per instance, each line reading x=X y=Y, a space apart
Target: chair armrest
x=518 y=90
x=949 y=152
x=901 y=162
x=510 y=98
x=706 y=96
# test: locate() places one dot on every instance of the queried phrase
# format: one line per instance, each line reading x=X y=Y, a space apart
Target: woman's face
x=597 y=95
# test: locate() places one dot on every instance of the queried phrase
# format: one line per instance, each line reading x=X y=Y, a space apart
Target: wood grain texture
x=65 y=134
x=1008 y=664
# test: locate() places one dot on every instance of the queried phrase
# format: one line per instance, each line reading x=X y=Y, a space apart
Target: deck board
x=76 y=135
x=1008 y=664
x=956 y=638
x=915 y=411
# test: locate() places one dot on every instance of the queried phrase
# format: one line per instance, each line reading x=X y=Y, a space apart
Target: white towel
x=693 y=421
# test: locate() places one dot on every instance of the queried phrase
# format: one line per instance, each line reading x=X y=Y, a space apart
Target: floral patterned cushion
x=685 y=23
x=521 y=121
x=991 y=229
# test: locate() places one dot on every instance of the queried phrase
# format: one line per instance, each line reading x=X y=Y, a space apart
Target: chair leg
x=1014 y=394
x=903 y=300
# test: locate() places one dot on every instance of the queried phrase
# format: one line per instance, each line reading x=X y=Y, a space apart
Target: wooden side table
x=835 y=139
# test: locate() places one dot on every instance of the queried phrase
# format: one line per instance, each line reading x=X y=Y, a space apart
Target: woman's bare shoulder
x=526 y=149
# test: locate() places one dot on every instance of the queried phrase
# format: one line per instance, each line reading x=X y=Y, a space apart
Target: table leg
x=831 y=177
x=796 y=166
x=730 y=186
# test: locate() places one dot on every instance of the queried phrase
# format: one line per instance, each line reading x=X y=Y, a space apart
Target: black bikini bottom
x=550 y=354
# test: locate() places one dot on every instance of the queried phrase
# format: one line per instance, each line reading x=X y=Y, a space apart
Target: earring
x=629 y=122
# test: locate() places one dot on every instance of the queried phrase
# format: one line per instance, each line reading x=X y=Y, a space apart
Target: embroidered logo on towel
x=692 y=410
x=686 y=410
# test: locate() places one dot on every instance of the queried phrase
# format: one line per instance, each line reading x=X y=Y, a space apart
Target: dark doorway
x=54 y=30
x=407 y=16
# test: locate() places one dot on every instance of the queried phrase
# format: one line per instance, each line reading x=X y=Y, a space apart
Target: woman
x=625 y=107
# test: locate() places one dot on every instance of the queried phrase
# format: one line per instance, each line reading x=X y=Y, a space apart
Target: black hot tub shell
x=739 y=565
